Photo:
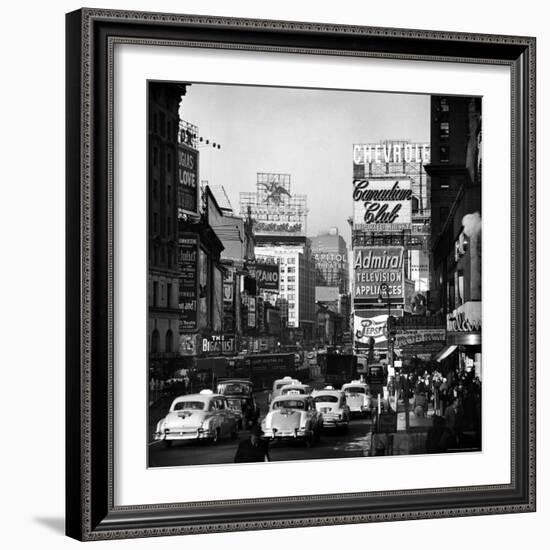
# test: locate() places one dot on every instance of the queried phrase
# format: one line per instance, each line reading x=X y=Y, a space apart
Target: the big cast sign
x=382 y=204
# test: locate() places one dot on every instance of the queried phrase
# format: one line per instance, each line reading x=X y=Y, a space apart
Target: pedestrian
x=453 y=416
x=254 y=448
x=420 y=404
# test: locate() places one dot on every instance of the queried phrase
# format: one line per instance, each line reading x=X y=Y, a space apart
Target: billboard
x=369 y=327
x=377 y=265
x=267 y=276
x=188 y=180
x=273 y=208
x=188 y=247
x=382 y=204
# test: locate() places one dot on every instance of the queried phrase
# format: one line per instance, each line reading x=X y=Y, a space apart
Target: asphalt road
x=333 y=444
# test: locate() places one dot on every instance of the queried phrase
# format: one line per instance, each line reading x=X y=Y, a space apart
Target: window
x=168 y=194
x=155 y=341
x=169 y=225
x=291 y=269
x=155 y=222
x=169 y=341
x=169 y=160
x=155 y=190
x=155 y=293
x=444 y=153
x=155 y=156
x=444 y=130
x=168 y=292
x=162 y=124
x=155 y=123
x=291 y=260
x=291 y=279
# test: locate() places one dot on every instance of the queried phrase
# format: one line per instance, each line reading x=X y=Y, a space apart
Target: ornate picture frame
x=90 y=334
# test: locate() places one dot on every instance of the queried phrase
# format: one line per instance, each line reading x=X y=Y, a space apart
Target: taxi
x=332 y=405
x=278 y=384
x=358 y=397
x=202 y=416
x=293 y=417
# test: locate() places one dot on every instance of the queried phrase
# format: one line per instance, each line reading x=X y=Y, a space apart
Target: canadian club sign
x=382 y=203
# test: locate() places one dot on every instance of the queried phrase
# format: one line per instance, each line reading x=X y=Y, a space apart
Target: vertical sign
x=188 y=175
x=188 y=280
x=251 y=311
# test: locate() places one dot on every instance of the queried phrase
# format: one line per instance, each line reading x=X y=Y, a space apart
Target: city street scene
x=314 y=274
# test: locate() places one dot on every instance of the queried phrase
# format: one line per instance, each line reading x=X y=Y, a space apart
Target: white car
x=332 y=405
x=278 y=384
x=200 y=416
x=358 y=397
x=293 y=417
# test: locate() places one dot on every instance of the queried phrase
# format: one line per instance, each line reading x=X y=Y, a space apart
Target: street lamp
x=384 y=293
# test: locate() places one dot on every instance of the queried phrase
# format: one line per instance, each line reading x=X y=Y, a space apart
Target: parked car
x=358 y=397
x=240 y=396
x=332 y=405
x=202 y=416
x=278 y=384
x=293 y=417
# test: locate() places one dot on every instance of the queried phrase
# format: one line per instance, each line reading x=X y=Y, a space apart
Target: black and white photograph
x=314 y=274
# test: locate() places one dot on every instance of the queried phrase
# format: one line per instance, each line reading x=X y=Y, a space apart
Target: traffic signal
x=370 y=356
x=392 y=329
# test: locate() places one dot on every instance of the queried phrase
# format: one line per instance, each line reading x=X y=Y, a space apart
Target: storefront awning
x=444 y=353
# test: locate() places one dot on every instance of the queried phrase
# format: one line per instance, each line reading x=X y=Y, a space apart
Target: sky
x=307 y=133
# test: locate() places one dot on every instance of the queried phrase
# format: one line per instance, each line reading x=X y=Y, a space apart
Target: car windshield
x=289 y=404
x=234 y=404
x=326 y=399
x=193 y=405
x=281 y=384
x=355 y=389
x=234 y=389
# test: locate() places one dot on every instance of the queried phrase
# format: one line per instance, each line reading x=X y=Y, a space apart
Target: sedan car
x=358 y=397
x=202 y=416
x=278 y=384
x=293 y=417
x=332 y=405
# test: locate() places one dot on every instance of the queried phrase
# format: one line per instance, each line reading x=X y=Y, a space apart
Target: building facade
x=330 y=254
x=162 y=187
x=456 y=225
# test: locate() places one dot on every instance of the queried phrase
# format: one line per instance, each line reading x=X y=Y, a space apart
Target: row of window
x=169 y=343
x=161 y=125
x=156 y=156
x=162 y=295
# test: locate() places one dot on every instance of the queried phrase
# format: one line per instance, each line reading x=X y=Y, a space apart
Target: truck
x=339 y=368
x=262 y=369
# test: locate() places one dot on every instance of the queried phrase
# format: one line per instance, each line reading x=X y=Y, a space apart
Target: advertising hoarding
x=267 y=276
x=188 y=247
x=382 y=204
x=377 y=265
x=188 y=180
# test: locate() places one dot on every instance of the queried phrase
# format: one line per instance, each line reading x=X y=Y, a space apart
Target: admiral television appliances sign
x=377 y=265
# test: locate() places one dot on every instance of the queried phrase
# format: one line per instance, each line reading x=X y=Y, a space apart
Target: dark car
x=239 y=393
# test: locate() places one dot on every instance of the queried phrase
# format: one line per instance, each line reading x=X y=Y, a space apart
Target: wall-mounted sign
x=216 y=344
x=384 y=153
x=374 y=266
x=409 y=337
x=369 y=327
x=267 y=276
x=188 y=344
x=379 y=202
x=188 y=175
x=188 y=247
x=466 y=318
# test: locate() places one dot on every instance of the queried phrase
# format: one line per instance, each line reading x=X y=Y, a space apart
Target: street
x=334 y=444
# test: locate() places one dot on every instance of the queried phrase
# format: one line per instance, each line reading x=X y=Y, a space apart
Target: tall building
x=163 y=270
x=279 y=221
x=455 y=172
x=296 y=284
x=330 y=254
